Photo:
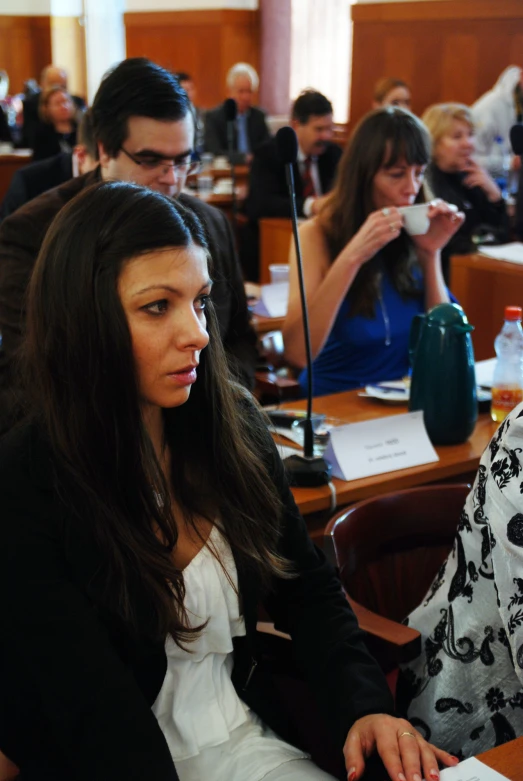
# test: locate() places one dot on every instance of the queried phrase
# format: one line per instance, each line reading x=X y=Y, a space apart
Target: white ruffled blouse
x=197 y=707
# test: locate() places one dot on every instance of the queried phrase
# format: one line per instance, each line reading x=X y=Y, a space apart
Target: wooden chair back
x=389 y=548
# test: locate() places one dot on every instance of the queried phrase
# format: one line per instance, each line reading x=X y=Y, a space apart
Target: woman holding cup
x=365 y=275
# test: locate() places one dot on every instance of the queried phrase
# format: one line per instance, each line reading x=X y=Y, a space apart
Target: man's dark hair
x=86 y=134
x=310 y=103
x=182 y=76
x=136 y=87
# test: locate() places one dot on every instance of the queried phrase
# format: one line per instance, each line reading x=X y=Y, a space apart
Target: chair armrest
x=403 y=641
x=275 y=386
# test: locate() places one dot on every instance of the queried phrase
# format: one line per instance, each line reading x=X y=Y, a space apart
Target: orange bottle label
x=503 y=401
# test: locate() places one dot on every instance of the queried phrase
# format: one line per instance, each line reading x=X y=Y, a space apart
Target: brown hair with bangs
x=383 y=138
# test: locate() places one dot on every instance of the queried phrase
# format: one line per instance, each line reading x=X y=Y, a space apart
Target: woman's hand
x=379 y=229
x=478 y=177
x=405 y=754
x=444 y=222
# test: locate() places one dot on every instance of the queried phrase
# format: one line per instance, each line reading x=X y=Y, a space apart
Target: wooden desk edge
x=506 y=759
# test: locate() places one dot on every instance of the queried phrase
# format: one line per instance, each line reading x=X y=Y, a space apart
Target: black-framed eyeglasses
x=181 y=167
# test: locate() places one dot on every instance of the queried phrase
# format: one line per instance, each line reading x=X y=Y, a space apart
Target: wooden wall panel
x=25 y=47
x=452 y=50
x=203 y=43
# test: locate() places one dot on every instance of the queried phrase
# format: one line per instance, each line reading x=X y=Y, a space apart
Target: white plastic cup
x=279 y=272
x=221 y=162
x=207 y=160
x=224 y=186
x=205 y=184
x=415 y=218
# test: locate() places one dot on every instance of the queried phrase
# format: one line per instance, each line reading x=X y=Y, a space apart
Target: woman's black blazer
x=77 y=684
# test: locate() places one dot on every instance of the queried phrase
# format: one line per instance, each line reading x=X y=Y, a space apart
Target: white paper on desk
x=273 y=300
x=471 y=770
x=285 y=450
x=513 y=252
x=485 y=372
x=381 y=445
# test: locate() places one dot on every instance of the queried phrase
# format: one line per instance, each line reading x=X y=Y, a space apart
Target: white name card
x=273 y=301
x=381 y=445
x=471 y=770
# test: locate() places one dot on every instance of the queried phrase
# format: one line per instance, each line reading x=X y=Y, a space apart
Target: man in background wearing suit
x=314 y=175
x=36 y=178
x=250 y=129
x=145 y=134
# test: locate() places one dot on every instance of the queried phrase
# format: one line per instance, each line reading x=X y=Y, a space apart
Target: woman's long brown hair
x=382 y=138
x=83 y=393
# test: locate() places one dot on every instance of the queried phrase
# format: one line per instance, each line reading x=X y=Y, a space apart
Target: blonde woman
x=455 y=176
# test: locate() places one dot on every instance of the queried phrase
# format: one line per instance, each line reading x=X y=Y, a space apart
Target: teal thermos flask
x=443 y=382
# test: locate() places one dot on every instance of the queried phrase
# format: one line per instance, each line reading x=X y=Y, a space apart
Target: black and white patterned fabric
x=465 y=691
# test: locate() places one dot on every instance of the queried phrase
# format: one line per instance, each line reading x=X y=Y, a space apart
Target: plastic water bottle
x=507 y=385
x=500 y=165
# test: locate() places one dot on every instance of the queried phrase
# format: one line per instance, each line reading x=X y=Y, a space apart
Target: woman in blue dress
x=365 y=277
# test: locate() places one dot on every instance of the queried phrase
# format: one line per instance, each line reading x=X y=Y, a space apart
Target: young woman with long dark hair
x=145 y=515
x=365 y=277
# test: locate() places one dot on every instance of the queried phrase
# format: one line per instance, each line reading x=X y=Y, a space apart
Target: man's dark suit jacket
x=21 y=236
x=5 y=130
x=34 y=179
x=78 y=682
x=215 y=138
x=268 y=194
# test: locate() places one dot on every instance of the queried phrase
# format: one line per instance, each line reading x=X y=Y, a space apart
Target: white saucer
x=392 y=392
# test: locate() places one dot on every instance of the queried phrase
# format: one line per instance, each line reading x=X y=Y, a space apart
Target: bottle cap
x=513 y=313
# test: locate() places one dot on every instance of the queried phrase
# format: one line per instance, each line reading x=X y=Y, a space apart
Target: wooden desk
x=9 y=164
x=275 y=242
x=223 y=201
x=241 y=172
x=262 y=325
x=484 y=287
x=506 y=759
x=455 y=460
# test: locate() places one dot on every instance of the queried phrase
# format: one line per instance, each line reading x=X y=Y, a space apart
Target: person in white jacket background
x=494 y=113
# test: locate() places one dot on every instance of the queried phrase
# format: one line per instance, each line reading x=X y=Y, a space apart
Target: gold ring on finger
x=410 y=734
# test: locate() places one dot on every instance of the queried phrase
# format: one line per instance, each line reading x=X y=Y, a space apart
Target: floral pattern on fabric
x=465 y=690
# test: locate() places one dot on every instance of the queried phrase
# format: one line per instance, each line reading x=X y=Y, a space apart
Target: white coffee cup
x=205 y=185
x=221 y=162
x=223 y=186
x=415 y=218
x=279 y=272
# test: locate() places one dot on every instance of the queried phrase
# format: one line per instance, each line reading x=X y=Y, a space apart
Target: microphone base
x=307 y=472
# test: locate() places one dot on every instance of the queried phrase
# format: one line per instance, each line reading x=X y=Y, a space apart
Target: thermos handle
x=415 y=331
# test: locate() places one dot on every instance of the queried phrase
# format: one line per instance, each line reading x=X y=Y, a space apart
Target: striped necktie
x=308 y=185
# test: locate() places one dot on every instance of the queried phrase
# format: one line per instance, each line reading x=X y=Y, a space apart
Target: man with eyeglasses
x=144 y=130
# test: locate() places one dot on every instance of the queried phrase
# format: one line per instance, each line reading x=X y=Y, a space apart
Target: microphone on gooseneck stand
x=305 y=470
x=231 y=112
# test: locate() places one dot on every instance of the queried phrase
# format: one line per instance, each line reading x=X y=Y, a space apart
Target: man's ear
x=102 y=155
